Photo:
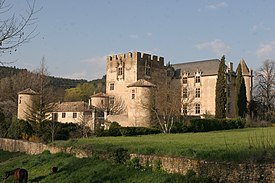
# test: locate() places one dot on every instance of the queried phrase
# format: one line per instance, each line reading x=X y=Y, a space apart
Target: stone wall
x=220 y=171
x=37 y=148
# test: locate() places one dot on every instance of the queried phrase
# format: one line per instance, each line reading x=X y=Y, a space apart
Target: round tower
x=26 y=99
x=99 y=100
x=141 y=103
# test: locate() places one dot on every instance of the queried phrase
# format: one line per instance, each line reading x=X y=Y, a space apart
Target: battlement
x=135 y=55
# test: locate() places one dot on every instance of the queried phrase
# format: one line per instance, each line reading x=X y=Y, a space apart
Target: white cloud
x=217 y=46
x=266 y=51
x=260 y=27
x=217 y=5
x=133 y=36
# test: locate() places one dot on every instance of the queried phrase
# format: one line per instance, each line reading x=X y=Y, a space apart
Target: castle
x=139 y=85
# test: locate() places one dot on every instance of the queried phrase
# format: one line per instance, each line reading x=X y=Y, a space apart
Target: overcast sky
x=75 y=36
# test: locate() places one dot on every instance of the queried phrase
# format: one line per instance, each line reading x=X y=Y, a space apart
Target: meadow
x=231 y=145
x=85 y=170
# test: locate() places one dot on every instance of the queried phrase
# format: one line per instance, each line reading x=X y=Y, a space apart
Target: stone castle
x=139 y=85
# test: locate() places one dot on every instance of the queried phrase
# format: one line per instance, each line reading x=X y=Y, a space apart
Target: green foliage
x=158 y=165
x=9 y=71
x=83 y=91
x=19 y=128
x=220 y=91
x=205 y=125
x=132 y=131
x=4 y=125
x=240 y=100
x=114 y=129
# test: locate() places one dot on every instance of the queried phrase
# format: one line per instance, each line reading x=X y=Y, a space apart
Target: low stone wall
x=37 y=148
x=219 y=171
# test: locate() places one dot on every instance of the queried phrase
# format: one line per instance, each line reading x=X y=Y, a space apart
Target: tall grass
x=72 y=170
x=231 y=145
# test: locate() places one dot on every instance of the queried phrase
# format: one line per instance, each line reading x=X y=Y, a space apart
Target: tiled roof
x=207 y=67
x=141 y=83
x=28 y=91
x=71 y=107
x=100 y=94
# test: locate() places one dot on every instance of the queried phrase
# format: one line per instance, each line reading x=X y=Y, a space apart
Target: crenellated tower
x=125 y=69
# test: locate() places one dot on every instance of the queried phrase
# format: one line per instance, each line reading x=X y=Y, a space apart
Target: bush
x=114 y=129
x=205 y=125
x=132 y=131
x=19 y=129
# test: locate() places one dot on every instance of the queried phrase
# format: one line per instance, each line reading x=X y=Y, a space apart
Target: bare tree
x=15 y=29
x=42 y=108
x=265 y=87
x=165 y=106
x=85 y=120
x=115 y=106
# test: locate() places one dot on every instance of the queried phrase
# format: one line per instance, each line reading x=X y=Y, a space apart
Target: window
x=133 y=94
x=102 y=102
x=184 y=109
x=112 y=86
x=63 y=115
x=120 y=71
x=184 y=80
x=74 y=115
x=20 y=98
x=54 y=116
x=112 y=100
x=198 y=108
x=184 y=93
x=148 y=71
x=198 y=79
x=198 y=93
x=147 y=68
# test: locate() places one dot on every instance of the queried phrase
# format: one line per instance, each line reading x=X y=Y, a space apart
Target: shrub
x=114 y=129
x=205 y=125
x=132 y=131
x=19 y=128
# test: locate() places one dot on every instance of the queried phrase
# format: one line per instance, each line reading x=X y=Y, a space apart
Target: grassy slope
x=231 y=145
x=72 y=170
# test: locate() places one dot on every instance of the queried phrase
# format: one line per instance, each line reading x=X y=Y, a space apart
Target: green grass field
x=232 y=145
x=74 y=170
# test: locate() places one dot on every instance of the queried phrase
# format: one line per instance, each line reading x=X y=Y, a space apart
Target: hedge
x=205 y=125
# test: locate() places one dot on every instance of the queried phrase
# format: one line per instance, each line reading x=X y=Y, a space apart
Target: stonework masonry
x=192 y=85
x=220 y=171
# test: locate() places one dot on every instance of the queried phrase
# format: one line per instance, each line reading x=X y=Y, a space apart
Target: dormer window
x=184 y=80
x=197 y=79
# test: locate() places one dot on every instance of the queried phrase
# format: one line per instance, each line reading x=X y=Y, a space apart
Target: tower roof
x=29 y=92
x=141 y=83
x=244 y=67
